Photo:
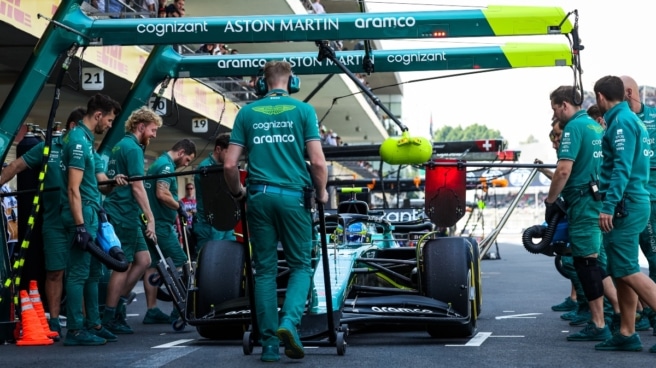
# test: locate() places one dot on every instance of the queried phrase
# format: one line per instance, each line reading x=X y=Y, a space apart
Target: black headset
x=261 y=88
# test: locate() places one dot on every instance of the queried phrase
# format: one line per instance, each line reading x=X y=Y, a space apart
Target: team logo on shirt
x=273 y=109
x=619 y=140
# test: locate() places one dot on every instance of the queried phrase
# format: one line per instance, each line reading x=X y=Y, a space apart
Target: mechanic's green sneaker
x=102 y=332
x=620 y=342
x=581 y=318
x=565 y=306
x=642 y=322
x=270 y=353
x=289 y=337
x=155 y=316
x=570 y=315
x=591 y=333
x=118 y=328
x=82 y=338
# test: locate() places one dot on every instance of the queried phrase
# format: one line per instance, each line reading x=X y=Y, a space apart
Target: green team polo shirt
x=648 y=116
x=53 y=178
x=200 y=209
x=127 y=158
x=274 y=131
x=581 y=143
x=163 y=165
x=77 y=153
x=625 y=166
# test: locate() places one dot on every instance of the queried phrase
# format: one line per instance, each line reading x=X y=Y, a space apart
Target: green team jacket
x=625 y=166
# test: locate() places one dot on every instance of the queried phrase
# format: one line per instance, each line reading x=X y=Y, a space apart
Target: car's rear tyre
x=448 y=277
x=477 y=275
x=219 y=278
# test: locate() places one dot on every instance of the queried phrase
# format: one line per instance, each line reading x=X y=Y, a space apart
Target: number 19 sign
x=199 y=125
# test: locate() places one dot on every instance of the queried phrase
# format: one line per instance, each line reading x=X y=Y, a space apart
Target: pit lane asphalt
x=516 y=328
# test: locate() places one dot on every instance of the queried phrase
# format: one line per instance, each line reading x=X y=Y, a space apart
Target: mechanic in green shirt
x=55 y=245
x=276 y=132
x=124 y=207
x=579 y=162
x=625 y=207
x=202 y=228
x=79 y=214
x=163 y=199
x=576 y=304
x=648 y=236
x=91 y=291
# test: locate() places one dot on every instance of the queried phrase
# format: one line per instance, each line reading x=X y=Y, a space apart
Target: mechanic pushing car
x=276 y=131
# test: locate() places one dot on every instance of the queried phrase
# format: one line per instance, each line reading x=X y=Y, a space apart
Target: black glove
x=182 y=212
x=82 y=238
x=551 y=209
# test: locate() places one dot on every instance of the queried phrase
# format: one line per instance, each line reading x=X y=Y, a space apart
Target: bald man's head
x=631 y=93
x=629 y=82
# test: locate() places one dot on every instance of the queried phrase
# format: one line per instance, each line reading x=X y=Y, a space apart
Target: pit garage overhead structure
x=70 y=27
x=164 y=63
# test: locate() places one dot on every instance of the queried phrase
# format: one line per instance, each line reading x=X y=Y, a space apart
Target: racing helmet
x=356 y=233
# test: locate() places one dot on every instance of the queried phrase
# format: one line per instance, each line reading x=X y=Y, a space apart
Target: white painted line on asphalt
x=173 y=344
x=525 y=315
x=508 y=336
x=507 y=311
x=477 y=340
x=132 y=315
x=163 y=358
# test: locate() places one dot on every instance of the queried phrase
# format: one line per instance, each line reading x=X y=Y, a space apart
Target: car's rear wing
x=477 y=150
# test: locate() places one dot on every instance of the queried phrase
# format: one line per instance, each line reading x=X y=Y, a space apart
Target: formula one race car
x=433 y=284
x=380 y=273
x=373 y=280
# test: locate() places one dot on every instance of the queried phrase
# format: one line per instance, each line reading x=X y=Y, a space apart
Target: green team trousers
x=81 y=280
x=274 y=218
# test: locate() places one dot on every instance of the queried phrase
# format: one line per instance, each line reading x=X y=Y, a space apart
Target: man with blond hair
x=124 y=206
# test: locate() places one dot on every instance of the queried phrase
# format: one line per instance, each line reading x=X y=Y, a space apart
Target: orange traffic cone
x=35 y=298
x=33 y=333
